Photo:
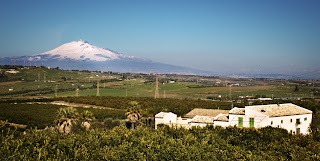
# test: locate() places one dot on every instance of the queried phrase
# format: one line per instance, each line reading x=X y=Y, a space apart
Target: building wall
x=233 y=120
x=168 y=119
x=290 y=123
x=221 y=123
x=198 y=124
x=260 y=119
x=183 y=122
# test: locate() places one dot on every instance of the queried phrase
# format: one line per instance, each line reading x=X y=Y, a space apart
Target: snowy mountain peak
x=83 y=50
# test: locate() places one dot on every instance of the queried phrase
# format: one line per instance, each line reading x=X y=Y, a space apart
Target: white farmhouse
x=288 y=116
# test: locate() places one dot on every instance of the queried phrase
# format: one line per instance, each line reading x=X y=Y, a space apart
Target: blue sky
x=223 y=36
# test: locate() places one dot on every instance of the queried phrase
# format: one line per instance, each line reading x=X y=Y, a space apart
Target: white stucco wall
x=198 y=124
x=221 y=123
x=260 y=119
x=182 y=122
x=289 y=123
x=233 y=120
x=168 y=119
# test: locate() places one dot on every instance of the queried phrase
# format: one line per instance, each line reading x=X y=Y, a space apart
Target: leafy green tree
x=86 y=117
x=134 y=113
x=65 y=119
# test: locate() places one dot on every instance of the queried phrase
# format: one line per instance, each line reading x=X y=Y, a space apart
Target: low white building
x=288 y=116
x=167 y=118
x=196 y=117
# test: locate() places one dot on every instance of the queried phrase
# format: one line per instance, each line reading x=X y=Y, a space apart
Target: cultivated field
x=43 y=82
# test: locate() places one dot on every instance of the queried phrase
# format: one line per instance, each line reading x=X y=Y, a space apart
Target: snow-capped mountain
x=82 y=50
x=81 y=55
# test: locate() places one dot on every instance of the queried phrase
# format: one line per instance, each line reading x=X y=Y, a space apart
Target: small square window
x=305 y=119
x=290 y=120
x=298 y=121
x=281 y=121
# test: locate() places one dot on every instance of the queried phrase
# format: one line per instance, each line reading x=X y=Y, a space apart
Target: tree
x=134 y=113
x=65 y=118
x=296 y=89
x=86 y=117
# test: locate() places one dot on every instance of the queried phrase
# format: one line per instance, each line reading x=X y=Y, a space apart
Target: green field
x=43 y=82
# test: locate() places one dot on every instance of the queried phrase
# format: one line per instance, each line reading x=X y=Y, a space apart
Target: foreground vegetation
x=165 y=143
x=114 y=141
x=113 y=137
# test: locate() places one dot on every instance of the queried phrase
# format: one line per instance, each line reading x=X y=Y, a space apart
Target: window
x=271 y=122
x=298 y=121
x=290 y=131
x=290 y=120
x=240 y=121
x=251 y=122
x=305 y=119
x=281 y=121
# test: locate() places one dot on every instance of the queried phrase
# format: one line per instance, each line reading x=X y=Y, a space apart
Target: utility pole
x=126 y=91
x=38 y=76
x=98 y=90
x=77 y=92
x=56 y=91
x=44 y=77
x=156 y=92
x=164 y=93
x=230 y=96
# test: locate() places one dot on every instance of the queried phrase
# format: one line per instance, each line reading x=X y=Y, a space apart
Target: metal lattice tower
x=156 y=92
x=230 y=95
x=98 y=90
x=56 y=91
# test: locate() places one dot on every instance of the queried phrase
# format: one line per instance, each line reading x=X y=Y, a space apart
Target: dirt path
x=9 y=83
x=13 y=124
x=63 y=103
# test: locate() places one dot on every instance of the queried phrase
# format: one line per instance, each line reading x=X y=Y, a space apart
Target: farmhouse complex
x=288 y=116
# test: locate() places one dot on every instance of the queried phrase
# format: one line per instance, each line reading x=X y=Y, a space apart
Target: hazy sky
x=225 y=36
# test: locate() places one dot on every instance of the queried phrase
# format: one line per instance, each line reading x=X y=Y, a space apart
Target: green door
x=251 y=122
x=240 y=122
x=298 y=130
